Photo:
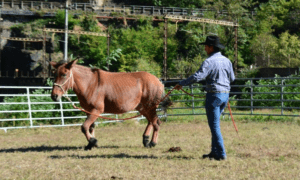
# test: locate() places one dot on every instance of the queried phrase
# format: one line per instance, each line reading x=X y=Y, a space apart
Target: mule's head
x=63 y=79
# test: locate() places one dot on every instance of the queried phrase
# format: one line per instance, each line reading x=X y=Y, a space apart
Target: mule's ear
x=71 y=64
x=54 y=64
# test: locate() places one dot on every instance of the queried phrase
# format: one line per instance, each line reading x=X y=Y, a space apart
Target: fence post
x=251 y=96
x=61 y=113
x=29 y=106
x=281 y=96
x=193 y=103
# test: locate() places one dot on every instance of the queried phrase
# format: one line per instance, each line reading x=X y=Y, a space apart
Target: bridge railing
x=10 y=6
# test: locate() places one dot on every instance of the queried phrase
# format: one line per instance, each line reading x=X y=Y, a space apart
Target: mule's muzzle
x=55 y=97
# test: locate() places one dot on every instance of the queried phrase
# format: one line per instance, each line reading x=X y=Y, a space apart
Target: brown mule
x=100 y=92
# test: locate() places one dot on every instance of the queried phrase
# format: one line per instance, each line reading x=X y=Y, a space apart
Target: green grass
x=265 y=150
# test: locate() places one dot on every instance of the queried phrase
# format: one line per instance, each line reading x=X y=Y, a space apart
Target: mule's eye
x=64 y=75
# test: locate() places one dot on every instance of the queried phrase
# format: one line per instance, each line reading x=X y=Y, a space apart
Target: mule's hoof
x=146 y=141
x=88 y=147
x=92 y=143
x=152 y=144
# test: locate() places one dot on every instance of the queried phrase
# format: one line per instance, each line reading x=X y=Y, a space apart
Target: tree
x=289 y=47
x=264 y=47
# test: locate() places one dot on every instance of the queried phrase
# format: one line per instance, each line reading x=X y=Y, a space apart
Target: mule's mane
x=84 y=69
x=61 y=62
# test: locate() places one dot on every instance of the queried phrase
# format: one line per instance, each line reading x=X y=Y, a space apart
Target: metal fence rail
x=247 y=110
x=31 y=118
x=30 y=107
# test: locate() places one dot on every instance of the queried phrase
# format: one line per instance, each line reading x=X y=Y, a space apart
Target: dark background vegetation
x=268 y=36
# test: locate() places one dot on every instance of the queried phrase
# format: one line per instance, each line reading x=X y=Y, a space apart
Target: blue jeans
x=215 y=105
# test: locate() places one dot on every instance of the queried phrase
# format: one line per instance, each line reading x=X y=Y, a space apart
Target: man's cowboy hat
x=213 y=41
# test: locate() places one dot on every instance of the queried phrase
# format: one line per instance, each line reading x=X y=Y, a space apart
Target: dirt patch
x=174 y=149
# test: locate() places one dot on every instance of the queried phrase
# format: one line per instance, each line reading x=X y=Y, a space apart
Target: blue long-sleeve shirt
x=216 y=70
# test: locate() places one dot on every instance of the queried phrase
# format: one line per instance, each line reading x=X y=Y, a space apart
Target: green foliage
x=199 y=101
x=248 y=73
x=267 y=38
x=149 y=66
x=105 y=63
x=265 y=47
x=60 y=17
x=143 y=42
x=289 y=46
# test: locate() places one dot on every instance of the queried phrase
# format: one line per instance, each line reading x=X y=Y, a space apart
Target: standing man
x=218 y=72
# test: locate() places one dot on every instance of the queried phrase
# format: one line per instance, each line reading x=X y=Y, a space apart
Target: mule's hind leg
x=92 y=130
x=87 y=129
x=156 y=123
x=153 y=122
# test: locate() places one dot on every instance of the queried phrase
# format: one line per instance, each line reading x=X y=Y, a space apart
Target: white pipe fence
x=32 y=109
x=36 y=108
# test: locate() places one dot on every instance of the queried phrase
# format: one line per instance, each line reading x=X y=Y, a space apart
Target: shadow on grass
x=180 y=157
x=48 y=148
x=108 y=156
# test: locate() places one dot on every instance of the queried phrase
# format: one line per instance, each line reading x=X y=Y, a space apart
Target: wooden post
x=165 y=48
x=44 y=53
x=108 y=48
x=236 y=49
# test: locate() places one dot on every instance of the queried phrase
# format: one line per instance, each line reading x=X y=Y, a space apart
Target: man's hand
x=178 y=87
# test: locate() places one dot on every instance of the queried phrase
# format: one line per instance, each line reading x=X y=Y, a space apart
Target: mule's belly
x=122 y=97
x=120 y=108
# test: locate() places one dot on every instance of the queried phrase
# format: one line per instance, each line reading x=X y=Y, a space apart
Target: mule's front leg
x=87 y=129
x=146 y=134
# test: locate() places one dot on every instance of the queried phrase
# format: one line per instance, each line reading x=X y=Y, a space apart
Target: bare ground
x=260 y=151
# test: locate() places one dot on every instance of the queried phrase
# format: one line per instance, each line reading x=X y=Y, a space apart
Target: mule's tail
x=165 y=103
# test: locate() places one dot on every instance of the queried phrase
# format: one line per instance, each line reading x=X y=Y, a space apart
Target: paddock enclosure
x=260 y=151
x=41 y=139
x=274 y=98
